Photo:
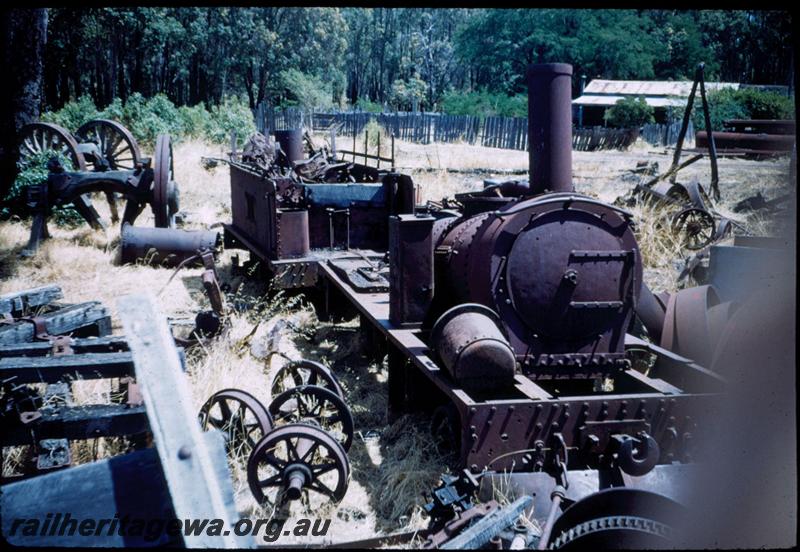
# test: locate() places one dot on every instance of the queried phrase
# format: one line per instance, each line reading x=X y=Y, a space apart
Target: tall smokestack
x=550 y=127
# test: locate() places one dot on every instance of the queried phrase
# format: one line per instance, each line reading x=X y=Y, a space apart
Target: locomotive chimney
x=550 y=127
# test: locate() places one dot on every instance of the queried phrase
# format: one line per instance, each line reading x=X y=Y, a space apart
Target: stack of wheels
x=298 y=445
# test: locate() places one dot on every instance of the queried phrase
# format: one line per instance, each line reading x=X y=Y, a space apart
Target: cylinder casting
x=473 y=349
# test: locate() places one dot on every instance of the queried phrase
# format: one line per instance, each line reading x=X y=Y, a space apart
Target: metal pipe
x=166 y=246
x=550 y=127
x=556 y=497
x=291 y=142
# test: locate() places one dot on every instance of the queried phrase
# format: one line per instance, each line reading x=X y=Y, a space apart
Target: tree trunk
x=23 y=40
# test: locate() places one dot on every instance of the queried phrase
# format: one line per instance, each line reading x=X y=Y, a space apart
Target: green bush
x=232 y=114
x=34 y=171
x=629 y=113
x=73 y=114
x=747 y=103
x=146 y=118
x=195 y=120
x=365 y=104
x=405 y=92
x=484 y=104
x=306 y=91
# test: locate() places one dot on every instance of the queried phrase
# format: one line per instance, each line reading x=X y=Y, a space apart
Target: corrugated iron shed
x=600 y=92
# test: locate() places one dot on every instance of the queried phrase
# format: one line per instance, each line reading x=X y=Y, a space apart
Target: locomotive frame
x=558 y=420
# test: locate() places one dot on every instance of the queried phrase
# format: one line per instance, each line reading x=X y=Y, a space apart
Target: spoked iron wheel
x=165 y=191
x=315 y=405
x=240 y=416
x=297 y=459
x=695 y=227
x=38 y=137
x=115 y=142
x=304 y=372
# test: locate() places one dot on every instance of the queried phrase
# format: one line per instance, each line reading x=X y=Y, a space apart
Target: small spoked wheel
x=165 y=191
x=310 y=404
x=297 y=459
x=36 y=138
x=240 y=416
x=694 y=227
x=304 y=372
x=114 y=141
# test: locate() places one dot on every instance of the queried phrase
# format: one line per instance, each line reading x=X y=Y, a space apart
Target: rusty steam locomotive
x=507 y=315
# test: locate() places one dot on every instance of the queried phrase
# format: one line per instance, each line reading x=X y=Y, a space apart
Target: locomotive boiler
x=539 y=280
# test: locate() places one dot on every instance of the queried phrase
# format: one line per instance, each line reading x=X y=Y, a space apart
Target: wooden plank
x=110 y=344
x=78 y=422
x=197 y=488
x=63 y=321
x=50 y=369
x=18 y=302
x=129 y=485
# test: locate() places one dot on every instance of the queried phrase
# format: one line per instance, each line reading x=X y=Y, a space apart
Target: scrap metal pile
x=507 y=314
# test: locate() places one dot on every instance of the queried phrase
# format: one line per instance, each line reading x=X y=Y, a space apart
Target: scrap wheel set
x=297 y=447
x=105 y=158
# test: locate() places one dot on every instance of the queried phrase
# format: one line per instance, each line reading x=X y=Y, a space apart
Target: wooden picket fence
x=426 y=128
x=599 y=138
x=666 y=135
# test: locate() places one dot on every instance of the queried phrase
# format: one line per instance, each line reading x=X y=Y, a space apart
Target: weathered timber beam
x=66 y=320
x=110 y=344
x=130 y=485
x=78 y=422
x=51 y=369
x=18 y=302
x=198 y=489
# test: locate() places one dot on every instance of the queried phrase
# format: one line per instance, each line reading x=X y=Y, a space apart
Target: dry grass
x=392 y=463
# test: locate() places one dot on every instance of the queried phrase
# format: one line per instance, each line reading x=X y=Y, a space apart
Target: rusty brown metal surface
x=550 y=127
x=292 y=233
x=651 y=312
x=687 y=325
x=167 y=246
x=291 y=142
x=667 y=402
x=468 y=340
x=163 y=182
x=747 y=141
x=583 y=256
x=411 y=268
x=761 y=126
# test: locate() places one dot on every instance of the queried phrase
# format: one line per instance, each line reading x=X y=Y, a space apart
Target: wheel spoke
x=320 y=487
x=270 y=481
x=226 y=410
x=321 y=469
x=310 y=452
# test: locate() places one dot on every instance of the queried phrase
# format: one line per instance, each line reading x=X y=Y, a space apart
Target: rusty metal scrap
x=260 y=151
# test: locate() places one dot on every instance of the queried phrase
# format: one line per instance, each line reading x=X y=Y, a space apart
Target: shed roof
x=607 y=101
x=649 y=88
